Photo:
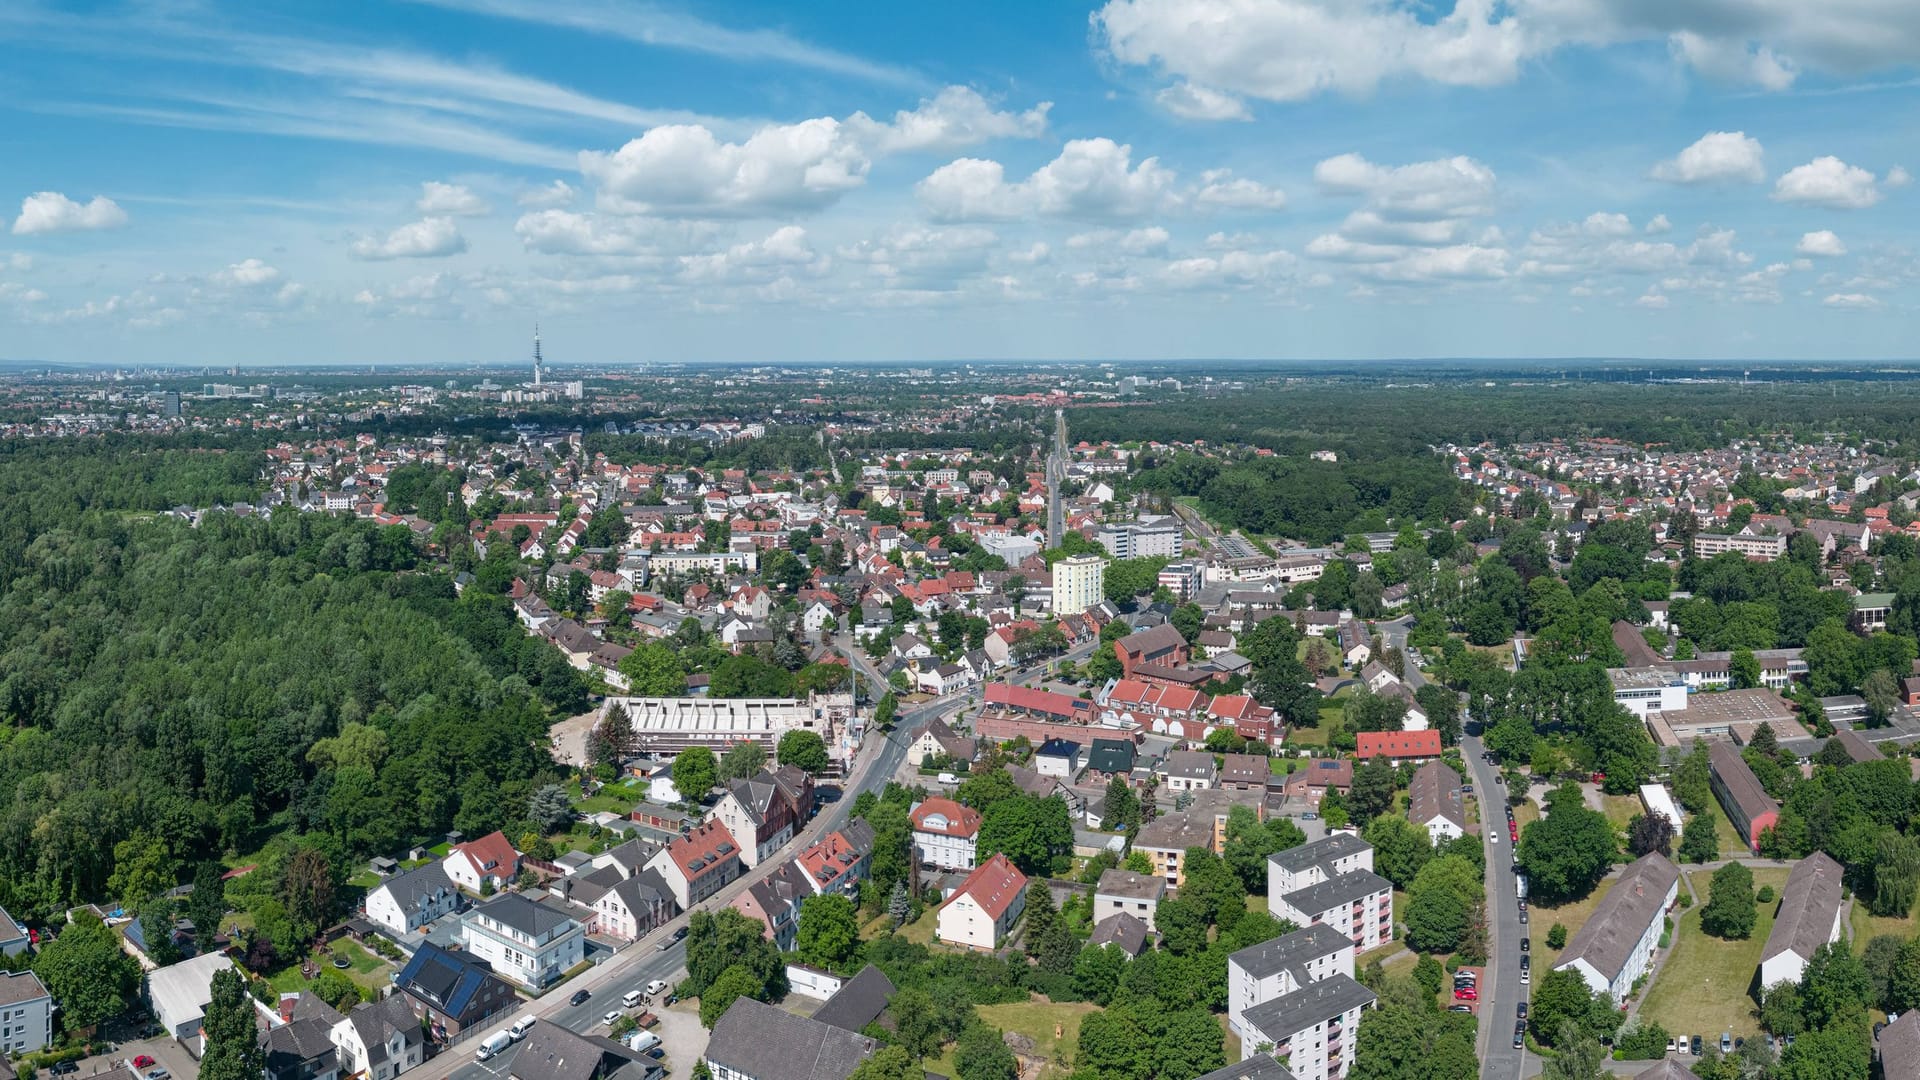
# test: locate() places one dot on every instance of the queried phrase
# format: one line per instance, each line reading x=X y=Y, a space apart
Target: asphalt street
x=1500 y=988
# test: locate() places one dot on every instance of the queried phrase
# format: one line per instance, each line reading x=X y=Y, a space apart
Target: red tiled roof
x=1398 y=744
x=490 y=853
x=961 y=820
x=994 y=885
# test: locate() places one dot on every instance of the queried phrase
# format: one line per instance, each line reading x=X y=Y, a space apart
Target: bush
x=1644 y=1041
x=1556 y=936
x=1765 y=895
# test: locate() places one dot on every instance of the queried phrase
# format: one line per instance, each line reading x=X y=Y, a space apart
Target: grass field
x=1867 y=926
x=1620 y=809
x=1313 y=736
x=1573 y=916
x=1037 y=1019
x=1702 y=988
x=1732 y=845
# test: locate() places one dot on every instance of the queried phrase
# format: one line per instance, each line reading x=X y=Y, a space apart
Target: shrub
x=1556 y=936
x=1765 y=895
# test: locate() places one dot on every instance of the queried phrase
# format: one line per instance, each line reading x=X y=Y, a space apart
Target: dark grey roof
x=1858 y=748
x=1900 y=1046
x=1737 y=778
x=1190 y=764
x=1321 y=852
x=1809 y=905
x=1121 y=930
x=377 y=1022
x=298 y=1046
x=1175 y=832
x=1290 y=951
x=19 y=986
x=519 y=913
x=1307 y=1006
x=1609 y=936
x=412 y=888
x=552 y=1052
x=1435 y=792
x=760 y=1042
x=859 y=1002
x=1342 y=889
x=1257 y=1067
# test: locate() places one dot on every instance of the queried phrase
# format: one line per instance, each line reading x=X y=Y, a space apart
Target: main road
x=648 y=959
x=1500 y=990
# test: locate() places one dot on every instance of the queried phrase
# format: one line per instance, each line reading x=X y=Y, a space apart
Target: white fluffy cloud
x=1897 y=177
x=1220 y=188
x=921 y=258
x=685 y=169
x=564 y=232
x=1288 y=50
x=450 y=200
x=249 y=274
x=1201 y=103
x=51 y=212
x=1718 y=157
x=427 y=238
x=1424 y=191
x=1852 y=301
x=557 y=193
x=1823 y=243
x=1092 y=178
x=785 y=251
x=1828 y=181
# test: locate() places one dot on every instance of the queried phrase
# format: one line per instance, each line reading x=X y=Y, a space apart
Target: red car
x=1466 y=993
x=1513 y=834
x=142 y=1061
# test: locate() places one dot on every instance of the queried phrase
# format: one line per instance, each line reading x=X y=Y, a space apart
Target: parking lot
x=169 y=1055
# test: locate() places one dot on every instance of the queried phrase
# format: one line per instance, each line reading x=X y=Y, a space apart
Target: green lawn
x=1573 y=916
x=1313 y=736
x=1867 y=926
x=1038 y=1019
x=618 y=797
x=1732 y=844
x=1620 y=809
x=1703 y=987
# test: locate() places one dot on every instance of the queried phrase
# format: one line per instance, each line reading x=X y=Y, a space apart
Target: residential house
x=490 y=861
x=1058 y=758
x=1397 y=746
x=935 y=741
x=554 y=1052
x=1436 y=803
x=632 y=907
x=1318 y=777
x=1355 y=648
x=774 y=900
x=839 y=861
x=1313 y=1031
x=1258 y=1067
x=453 y=991
x=13 y=937
x=526 y=942
x=1108 y=758
x=982 y=911
x=1124 y=892
x=300 y=1047
x=26 y=1013
x=1331 y=880
x=756 y=1041
x=406 y=902
x=1813 y=907
x=1189 y=770
x=944 y=832
x=1165 y=840
x=860 y=1001
x=1244 y=772
x=379 y=1040
x=1614 y=947
x=1900 y=1046
x=1285 y=965
x=764 y=811
x=698 y=864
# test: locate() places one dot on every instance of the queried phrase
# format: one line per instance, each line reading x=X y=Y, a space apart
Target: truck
x=1520 y=886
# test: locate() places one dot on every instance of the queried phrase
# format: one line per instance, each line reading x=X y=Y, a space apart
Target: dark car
x=65 y=1067
x=1520 y=1010
x=1523 y=914
x=1699 y=1046
x=1519 y=1036
x=579 y=997
x=1460 y=1008
x=1526 y=944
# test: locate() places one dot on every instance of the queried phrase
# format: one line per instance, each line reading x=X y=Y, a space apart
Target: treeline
x=1312 y=500
x=795 y=450
x=172 y=693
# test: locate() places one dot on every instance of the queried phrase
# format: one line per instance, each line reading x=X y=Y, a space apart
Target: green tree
x=1745 y=669
x=1123 y=806
x=653 y=670
x=981 y=1054
x=724 y=940
x=804 y=750
x=695 y=772
x=232 y=1044
x=1835 y=986
x=1730 y=911
x=550 y=808
x=734 y=983
x=829 y=933
x=1374 y=784
x=1096 y=972
x=1580 y=1056
x=1700 y=841
x=1556 y=936
x=1562 y=997
x=1182 y=926
x=888 y=1063
x=85 y=971
x=207 y=903
x=1841 y=1052
x=1566 y=853
x=1191 y=1044
x=1030 y=830
x=1400 y=848
x=1896 y=874
x=986 y=787
x=1112 y=1047
x=308 y=888
x=742 y=761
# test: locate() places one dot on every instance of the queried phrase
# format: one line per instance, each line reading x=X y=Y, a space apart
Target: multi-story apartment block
x=526 y=942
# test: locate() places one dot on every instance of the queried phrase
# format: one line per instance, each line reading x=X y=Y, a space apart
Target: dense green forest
x=173 y=693
x=1368 y=420
x=1312 y=500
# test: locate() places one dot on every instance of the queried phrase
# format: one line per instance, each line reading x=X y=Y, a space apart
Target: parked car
x=1526 y=944
x=1699 y=1046
x=1519 y=1035
x=520 y=1028
x=612 y=1018
x=1520 y=1010
x=1726 y=1042
x=1460 y=1008
x=1465 y=993
x=159 y=1074
x=1671 y=1043
x=62 y=1068
x=656 y=986
x=140 y=1061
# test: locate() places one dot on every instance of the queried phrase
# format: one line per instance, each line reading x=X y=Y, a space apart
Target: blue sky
x=276 y=183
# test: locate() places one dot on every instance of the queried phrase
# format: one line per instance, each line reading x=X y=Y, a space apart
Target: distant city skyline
x=1151 y=181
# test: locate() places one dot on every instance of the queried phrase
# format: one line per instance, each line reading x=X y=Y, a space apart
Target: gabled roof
x=1809 y=906
x=448 y=981
x=1397 y=744
x=767 y=1043
x=1615 y=928
x=858 y=1002
x=995 y=885
x=1435 y=793
x=939 y=815
x=491 y=854
x=413 y=889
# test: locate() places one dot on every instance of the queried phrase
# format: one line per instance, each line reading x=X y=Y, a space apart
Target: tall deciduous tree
x=804 y=750
x=829 y=931
x=233 y=1049
x=86 y=972
x=1730 y=911
x=695 y=772
x=742 y=760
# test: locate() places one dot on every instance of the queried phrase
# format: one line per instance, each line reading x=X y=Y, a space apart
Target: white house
x=1124 y=892
x=380 y=1040
x=944 y=832
x=633 y=907
x=1615 y=945
x=984 y=908
x=1285 y=965
x=1332 y=881
x=1812 y=909
x=526 y=942
x=1436 y=802
x=1058 y=758
x=26 y=1013
x=489 y=861
x=405 y=902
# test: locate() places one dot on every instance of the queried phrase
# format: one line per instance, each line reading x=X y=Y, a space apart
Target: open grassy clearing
x=1703 y=985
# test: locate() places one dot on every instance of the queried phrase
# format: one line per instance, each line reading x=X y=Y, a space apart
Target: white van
x=520 y=1028
x=947 y=778
x=495 y=1043
x=642 y=1041
x=632 y=998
